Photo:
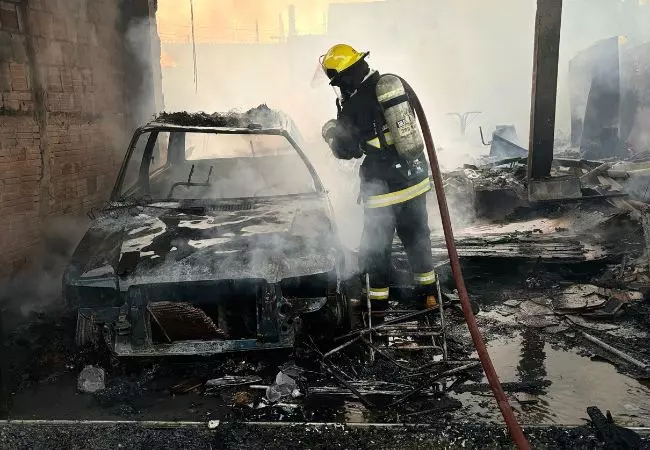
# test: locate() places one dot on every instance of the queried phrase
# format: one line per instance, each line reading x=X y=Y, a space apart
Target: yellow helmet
x=340 y=58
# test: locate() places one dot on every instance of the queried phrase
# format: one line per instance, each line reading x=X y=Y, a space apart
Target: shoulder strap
x=380 y=122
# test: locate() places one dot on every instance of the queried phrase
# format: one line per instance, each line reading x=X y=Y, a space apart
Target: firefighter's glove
x=328 y=131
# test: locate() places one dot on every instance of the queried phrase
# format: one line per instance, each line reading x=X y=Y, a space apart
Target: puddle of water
x=577 y=383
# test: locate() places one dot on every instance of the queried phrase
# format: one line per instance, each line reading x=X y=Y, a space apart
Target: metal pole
x=369 y=302
x=544 y=94
x=616 y=352
x=443 y=325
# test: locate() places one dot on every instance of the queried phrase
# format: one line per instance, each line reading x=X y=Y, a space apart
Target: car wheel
x=339 y=306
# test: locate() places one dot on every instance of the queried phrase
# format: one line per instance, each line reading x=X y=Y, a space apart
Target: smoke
x=458 y=56
x=143 y=77
x=38 y=287
x=454 y=56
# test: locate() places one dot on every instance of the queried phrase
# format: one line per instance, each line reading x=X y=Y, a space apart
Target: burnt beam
x=545 y=71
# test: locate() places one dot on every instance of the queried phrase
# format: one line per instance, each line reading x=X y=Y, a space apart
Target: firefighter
x=376 y=119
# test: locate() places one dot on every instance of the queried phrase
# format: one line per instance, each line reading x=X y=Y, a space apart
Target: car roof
x=259 y=120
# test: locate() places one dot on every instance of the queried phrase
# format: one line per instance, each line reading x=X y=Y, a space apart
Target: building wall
x=62 y=122
x=637 y=63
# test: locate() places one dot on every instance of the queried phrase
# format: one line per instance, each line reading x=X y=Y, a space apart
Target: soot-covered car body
x=218 y=238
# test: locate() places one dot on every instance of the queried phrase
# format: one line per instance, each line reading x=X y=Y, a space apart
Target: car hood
x=263 y=239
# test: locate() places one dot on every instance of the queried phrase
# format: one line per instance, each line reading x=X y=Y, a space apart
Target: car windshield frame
x=155 y=128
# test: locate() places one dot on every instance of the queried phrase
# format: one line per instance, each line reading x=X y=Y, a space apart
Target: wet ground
x=576 y=382
x=553 y=376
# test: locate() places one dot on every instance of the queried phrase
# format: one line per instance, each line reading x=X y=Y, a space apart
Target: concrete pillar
x=545 y=72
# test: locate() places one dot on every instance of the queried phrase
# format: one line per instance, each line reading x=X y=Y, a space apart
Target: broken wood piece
x=385 y=354
x=448 y=373
x=616 y=352
x=328 y=368
x=580 y=298
x=589 y=176
x=364 y=388
x=571 y=162
x=394 y=311
x=258 y=387
x=580 y=321
x=408 y=333
x=229 y=380
x=610 y=309
x=414 y=347
x=524 y=398
x=619 y=202
x=185 y=386
x=530 y=387
x=367 y=403
x=535 y=308
x=341 y=347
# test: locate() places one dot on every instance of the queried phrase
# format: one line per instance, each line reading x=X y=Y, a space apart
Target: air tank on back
x=400 y=117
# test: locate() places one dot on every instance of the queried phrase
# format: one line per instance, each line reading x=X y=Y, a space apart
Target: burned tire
x=331 y=320
x=339 y=310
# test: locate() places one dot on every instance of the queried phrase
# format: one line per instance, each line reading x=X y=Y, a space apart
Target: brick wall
x=62 y=123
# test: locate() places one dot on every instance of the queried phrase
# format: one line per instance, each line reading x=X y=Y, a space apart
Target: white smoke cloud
x=459 y=56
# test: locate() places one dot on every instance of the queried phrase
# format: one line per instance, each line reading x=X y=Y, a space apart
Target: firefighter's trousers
x=410 y=219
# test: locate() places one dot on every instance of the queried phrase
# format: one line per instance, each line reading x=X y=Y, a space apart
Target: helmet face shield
x=320 y=76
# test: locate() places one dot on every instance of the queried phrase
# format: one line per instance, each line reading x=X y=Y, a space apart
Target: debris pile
x=261 y=116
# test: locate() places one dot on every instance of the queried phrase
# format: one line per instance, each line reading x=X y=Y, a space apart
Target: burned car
x=218 y=237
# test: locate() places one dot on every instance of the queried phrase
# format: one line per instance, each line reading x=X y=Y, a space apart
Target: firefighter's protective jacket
x=386 y=178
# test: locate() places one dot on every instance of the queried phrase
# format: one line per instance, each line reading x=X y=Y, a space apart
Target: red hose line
x=511 y=421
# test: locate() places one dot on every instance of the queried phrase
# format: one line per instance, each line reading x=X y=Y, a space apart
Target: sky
x=238 y=20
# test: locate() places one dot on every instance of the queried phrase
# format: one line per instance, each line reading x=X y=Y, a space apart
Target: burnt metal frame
x=274 y=329
x=155 y=128
x=138 y=341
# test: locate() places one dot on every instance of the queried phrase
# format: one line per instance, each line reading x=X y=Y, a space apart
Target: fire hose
x=514 y=428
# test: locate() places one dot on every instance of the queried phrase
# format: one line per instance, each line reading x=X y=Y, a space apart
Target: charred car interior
x=207 y=246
